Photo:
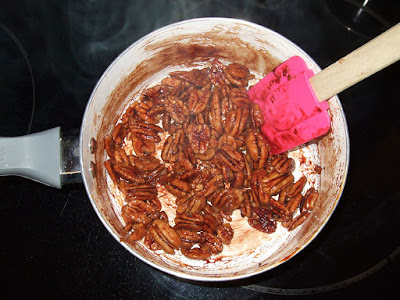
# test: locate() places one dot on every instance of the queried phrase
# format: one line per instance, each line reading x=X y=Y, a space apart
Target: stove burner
x=326 y=288
x=15 y=111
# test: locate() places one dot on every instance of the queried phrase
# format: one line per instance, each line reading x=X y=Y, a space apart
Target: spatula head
x=292 y=113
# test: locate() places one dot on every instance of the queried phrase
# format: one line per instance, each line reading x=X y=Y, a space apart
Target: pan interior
x=193 y=44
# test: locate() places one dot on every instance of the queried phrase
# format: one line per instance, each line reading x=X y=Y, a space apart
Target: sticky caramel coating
x=214 y=160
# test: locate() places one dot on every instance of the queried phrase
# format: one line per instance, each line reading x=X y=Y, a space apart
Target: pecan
x=300 y=219
x=142 y=147
x=294 y=203
x=214 y=160
x=239 y=179
x=216 y=74
x=235 y=81
x=194 y=204
x=199 y=137
x=177 y=187
x=201 y=253
x=198 y=99
x=236 y=121
x=137 y=231
x=186 y=157
x=245 y=206
x=262 y=219
x=149 y=112
x=211 y=186
x=239 y=97
x=228 y=200
x=279 y=209
x=110 y=170
x=148 y=163
x=117 y=134
x=296 y=187
x=256 y=116
x=170 y=149
x=129 y=173
x=177 y=109
x=309 y=199
x=174 y=82
x=238 y=71
x=231 y=158
x=209 y=154
x=212 y=221
x=213 y=242
x=165 y=236
x=275 y=185
x=109 y=146
x=189 y=221
x=138 y=211
x=188 y=238
x=129 y=113
x=225 y=233
x=258 y=147
x=144 y=191
x=169 y=124
x=121 y=157
x=282 y=164
x=227 y=139
x=160 y=175
x=195 y=76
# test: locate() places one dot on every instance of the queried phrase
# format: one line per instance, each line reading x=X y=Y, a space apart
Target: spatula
x=293 y=98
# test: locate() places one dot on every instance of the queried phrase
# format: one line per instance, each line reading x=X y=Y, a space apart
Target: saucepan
x=183 y=46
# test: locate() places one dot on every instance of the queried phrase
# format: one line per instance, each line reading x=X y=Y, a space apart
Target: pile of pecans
x=214 y=160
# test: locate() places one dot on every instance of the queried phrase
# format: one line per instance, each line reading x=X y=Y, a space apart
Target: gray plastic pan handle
x=35 y=156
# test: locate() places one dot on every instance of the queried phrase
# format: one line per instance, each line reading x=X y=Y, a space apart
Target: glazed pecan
x=189 y=221
x=239 y=96
x=129 y=173
x=177 y=109
x=236 y=121
x=199 y=137
x=165 y=236
x=201 y=253
x=256 y=117
x=194 y=204
x=231 y=158
x=147 y=163
x=198 y=99
x=225 y=233
x=141 y=146
x=228 y=200
x=195 y=76
x=262 y=219
x=237 y=75
x=139 y=212
x=282 y=164
x=308 y=202
x=137 y=231
x=258 y=148
x=300 y=219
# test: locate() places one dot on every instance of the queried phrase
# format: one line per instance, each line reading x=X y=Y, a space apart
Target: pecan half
x=165 y=236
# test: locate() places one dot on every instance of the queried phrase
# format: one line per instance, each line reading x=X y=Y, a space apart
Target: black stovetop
x=52 y=243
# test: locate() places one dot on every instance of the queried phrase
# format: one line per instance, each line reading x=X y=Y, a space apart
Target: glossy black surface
x=52 y=243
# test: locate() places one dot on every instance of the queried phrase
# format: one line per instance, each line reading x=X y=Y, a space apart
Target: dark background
x=52 y=243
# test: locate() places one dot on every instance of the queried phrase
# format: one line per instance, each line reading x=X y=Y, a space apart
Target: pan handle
x=39 y=156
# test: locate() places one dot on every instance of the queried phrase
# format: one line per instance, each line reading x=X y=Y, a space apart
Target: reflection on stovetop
x=52 y=55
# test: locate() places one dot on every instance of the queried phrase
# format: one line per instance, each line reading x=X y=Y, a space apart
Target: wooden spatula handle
x=370 y=58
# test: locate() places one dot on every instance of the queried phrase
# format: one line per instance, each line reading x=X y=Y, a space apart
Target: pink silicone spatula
x=293 y=98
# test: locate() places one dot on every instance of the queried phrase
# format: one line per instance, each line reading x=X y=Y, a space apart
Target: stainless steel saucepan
x=181 y=46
